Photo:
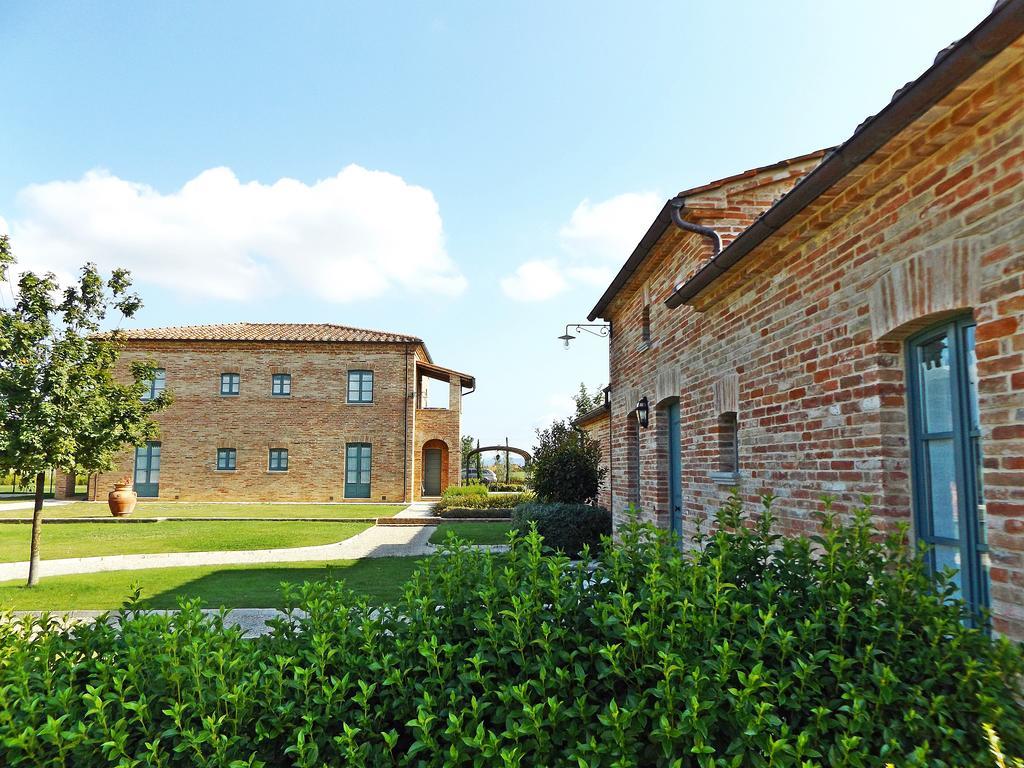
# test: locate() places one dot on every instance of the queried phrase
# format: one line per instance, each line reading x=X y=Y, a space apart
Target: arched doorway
x=435 y=467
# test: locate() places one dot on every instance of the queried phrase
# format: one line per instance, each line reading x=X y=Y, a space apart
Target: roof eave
x=998 y=30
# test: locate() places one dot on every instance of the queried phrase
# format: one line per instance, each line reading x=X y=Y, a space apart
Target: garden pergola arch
x=507 y=449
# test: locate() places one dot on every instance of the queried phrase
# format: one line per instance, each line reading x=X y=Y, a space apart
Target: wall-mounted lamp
x=602 y=329
x=643 y=412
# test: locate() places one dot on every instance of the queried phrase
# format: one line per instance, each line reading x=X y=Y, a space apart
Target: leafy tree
x=566 y=465
x=60 y=405
x=585 y=401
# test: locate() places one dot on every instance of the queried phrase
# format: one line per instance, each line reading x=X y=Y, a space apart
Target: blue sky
x=470 y=173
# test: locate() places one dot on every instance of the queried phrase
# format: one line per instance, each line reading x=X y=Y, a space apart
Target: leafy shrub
x=566 y=465
x=461 y=491
x=750 y=651
x=476 y=501
x=457 y=513
x=568 y=527
x=507 y=487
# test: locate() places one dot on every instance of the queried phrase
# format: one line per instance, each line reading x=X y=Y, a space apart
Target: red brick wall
x=805 y=338
x=598 y=430
x=314 y=424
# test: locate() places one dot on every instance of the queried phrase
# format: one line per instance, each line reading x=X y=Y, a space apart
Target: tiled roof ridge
x=236 y=331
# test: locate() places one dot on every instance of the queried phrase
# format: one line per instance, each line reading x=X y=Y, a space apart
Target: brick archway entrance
x=435 y=468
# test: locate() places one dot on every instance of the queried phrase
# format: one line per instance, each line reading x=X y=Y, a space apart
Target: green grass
x=200 y=509
x=474 y=533
x=92 y=539
x=231 y=586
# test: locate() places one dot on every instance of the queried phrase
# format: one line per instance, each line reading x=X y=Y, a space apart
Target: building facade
x=286 y=412
x=846 y=323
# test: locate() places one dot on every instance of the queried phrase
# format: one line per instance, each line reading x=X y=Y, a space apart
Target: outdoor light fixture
x=602 y=329
x=643 y=412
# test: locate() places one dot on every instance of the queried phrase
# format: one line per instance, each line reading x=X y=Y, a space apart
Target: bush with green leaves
x=511 y=487
x=461 y=491
x=482 y=501
x=566 y=465
x=750 y=651
x=567 y=527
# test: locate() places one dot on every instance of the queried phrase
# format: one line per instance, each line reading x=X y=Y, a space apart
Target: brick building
x=287 y=412
x=847 y=322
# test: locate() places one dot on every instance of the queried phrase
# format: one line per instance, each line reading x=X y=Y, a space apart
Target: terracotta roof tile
x=315 y=332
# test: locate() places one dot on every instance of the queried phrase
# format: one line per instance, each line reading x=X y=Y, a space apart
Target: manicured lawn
x=231 y=586
x=474 y=533
x=200 y=509
x=91 y=539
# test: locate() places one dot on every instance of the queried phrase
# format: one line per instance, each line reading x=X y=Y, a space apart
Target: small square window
x=278 y=460
x=360 y=386
x=230 y=383
x=281 y=385
x=156 y=385
x=226 y=458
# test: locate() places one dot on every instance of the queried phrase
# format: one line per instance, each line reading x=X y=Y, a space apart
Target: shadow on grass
x=380 y=579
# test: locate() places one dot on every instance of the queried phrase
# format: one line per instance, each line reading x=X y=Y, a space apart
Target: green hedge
x=751 y=651
x=461 y=491
x=456 y=513
x=568 y=527
x=494 y=501
x=507 y=487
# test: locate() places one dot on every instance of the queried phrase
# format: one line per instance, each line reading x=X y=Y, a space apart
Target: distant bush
x=567 y=527
x=751 y=651
x=461 y=491
x=482 y=501
x=566 y=465
x=507 y=487
x=461 y=513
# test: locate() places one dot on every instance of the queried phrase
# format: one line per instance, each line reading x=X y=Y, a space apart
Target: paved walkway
x=252 y=621
x=30 y=504
x=377 y=541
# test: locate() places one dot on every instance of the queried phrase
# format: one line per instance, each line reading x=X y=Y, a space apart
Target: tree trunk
x=37 y=526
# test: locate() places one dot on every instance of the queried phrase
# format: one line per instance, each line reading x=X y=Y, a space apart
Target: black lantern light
x=594 y=329
x=643 y=412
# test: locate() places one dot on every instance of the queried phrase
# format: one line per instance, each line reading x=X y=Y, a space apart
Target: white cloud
x=357 y=235
x=534 y=281
x=594 y=243
x=607 y=232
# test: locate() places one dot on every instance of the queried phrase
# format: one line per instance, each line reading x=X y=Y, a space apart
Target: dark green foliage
x=568 y=527
x=750 y=652
x=461 y=513
x=566 y=465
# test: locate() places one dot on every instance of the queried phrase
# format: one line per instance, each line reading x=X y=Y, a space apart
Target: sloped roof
x=953 y=65
x=664 y=220
x=310 y=332
x=443 y=374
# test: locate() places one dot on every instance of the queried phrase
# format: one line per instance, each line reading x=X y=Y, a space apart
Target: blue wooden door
x=147 y=470
x=357 y=471
x=675 y=493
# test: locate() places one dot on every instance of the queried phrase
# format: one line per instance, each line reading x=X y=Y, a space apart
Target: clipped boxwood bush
x=507 y=487
x=482 y=501
x=456 y=513
x=751 y=651
x=461 y=491
x=568 y=527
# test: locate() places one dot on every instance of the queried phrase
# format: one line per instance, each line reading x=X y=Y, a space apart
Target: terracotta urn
x=122 y=499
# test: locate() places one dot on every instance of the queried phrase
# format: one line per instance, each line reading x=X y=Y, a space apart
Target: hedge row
x=751 y=651
x=493 y=501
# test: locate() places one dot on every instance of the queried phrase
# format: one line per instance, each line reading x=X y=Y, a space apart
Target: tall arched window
x=949 y=500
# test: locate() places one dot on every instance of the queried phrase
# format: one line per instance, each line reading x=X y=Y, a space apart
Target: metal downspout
x=677 y=219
